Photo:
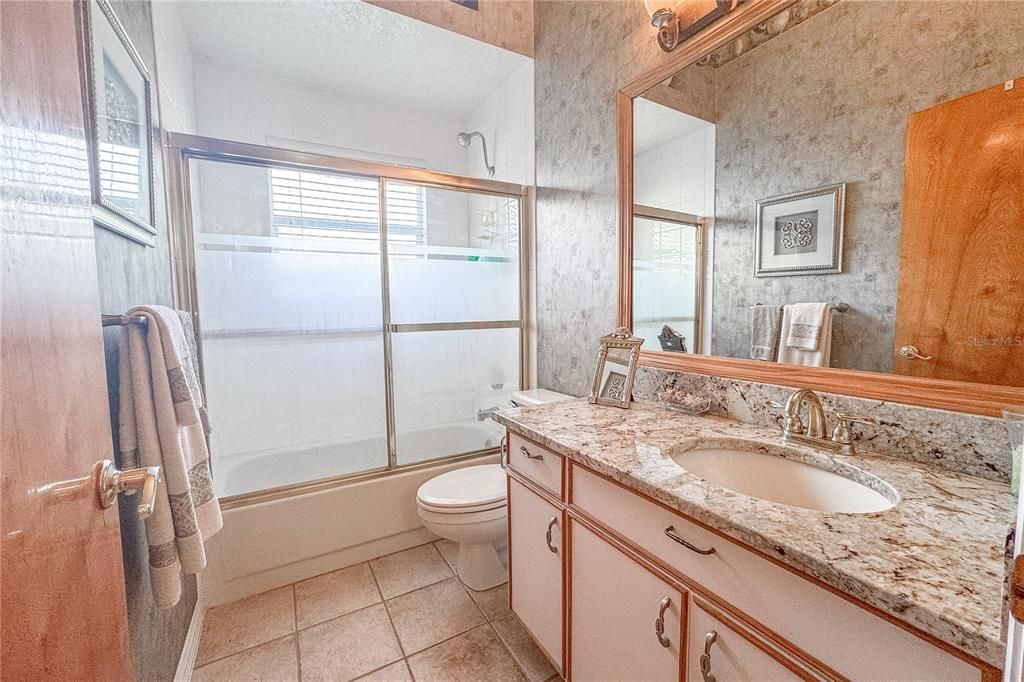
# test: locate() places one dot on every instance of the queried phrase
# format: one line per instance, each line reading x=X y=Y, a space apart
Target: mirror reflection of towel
x=806 y=334
x=764 y=332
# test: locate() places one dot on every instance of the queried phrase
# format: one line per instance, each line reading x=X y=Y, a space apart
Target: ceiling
x=352 y=47
x=654 y=124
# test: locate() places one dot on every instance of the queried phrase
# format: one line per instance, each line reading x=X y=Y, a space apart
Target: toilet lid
x=461 y=489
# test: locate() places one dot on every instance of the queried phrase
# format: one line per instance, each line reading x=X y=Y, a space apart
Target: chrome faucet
x=484 y=415
x=813 y=434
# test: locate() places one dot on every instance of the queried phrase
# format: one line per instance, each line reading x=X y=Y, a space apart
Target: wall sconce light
x=677 y=20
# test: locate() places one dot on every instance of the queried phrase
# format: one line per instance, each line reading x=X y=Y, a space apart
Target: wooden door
x=61 y=573
x=961 y=290
x=535 y=570
x=615 y=604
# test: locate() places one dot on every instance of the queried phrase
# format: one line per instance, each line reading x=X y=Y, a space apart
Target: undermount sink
x=776 y=478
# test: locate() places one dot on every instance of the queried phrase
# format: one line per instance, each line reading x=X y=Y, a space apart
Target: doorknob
x=110 y=481
x=912 y=353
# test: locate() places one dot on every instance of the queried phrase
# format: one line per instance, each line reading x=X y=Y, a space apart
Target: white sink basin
x=782 y=480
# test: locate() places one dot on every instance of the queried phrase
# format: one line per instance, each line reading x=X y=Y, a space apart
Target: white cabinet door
x=727 y=654
x=535 y=557
x=616 y=606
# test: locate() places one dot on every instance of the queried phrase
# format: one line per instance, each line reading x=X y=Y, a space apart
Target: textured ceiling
x=351 y=47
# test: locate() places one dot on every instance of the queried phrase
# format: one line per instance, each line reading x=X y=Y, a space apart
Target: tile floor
x=405 y=616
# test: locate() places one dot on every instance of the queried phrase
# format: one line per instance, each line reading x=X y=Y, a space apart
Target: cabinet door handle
x=547 y=535
x=526 y=453
x=659 y=624
x=671 y=532
x=705 y=659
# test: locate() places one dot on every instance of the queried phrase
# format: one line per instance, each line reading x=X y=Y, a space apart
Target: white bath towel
x=806 y=334
x=162 y=423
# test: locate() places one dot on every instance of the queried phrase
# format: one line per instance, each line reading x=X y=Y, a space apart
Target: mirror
x=616 y=368
x=854 y=158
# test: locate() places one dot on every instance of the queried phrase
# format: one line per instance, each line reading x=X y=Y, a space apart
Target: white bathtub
x=237 y=474
x=269 y=544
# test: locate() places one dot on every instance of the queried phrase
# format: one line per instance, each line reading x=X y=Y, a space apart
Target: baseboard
x=187 y=660
x=287 y=574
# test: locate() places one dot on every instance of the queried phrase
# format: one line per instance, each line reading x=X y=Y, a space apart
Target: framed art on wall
x=801 y=233
x=116 y=89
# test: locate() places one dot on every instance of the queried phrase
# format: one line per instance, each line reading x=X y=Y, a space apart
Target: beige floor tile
x=396 y=672
x=470 y=657
x=409 y=570
x=450 y=550
x=245 y=623
x=528 y=655
x=433 y=614
x=493 y=602
x=335 y=594
x=349 y=646
x=271 y=662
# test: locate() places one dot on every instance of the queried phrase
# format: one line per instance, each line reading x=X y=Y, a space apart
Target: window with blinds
x=305 y=203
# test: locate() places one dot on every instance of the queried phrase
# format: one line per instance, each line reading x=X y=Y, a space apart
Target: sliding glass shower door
x=349 y=322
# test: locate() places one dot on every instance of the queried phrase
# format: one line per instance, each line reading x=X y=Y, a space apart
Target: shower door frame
x=182 y=148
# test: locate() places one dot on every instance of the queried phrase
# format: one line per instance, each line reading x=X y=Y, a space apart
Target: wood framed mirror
x=731 y=156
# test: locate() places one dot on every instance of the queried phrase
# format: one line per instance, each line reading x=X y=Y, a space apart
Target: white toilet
x=469 y=506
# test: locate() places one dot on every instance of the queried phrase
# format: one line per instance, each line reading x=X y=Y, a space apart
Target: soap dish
x=686 y=403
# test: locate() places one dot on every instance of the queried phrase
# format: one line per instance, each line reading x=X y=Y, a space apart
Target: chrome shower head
x=465 y=138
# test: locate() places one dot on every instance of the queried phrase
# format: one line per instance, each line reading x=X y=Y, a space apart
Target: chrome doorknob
x=110 y=481
x=912 y=353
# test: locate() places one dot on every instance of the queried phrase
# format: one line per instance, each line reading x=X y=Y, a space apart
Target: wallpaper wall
x=826 y=102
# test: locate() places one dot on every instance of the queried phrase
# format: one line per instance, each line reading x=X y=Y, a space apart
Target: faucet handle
x=842 y=433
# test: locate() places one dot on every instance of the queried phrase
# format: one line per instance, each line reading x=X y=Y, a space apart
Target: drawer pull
x=547 y=536
x=671 y=532
x=526 y=453
x=705 y=659
x=659 y=624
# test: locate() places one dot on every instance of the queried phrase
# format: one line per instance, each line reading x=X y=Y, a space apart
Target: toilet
x=469 y=506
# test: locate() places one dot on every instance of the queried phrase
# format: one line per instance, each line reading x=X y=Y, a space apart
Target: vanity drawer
x=836 y=632
x=536 y=463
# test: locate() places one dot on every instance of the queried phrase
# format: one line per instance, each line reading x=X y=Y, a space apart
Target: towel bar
x=836 y=307
x=121 y=320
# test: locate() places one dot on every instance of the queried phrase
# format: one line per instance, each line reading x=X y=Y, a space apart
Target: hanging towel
x=806 y=334
x=163 y=423
x=764 y=332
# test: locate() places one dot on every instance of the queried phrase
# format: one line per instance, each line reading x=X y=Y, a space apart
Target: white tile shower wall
x=176 y=85
x=679 y=174
x=236 y=104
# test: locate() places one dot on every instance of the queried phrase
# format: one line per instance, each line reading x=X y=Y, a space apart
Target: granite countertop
x=935 y=560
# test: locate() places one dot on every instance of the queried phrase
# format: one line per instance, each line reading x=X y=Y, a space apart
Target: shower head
x=465 y=138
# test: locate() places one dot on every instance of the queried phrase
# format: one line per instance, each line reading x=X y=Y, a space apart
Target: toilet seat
x=464 y=491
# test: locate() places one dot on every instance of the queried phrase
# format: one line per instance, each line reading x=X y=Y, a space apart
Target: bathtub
x=263 y=470
x=272 y=543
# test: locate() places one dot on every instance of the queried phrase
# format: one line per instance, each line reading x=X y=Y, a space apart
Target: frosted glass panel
x=665 y=280
x=443 y=380
x=289 y=284
x=453 y=256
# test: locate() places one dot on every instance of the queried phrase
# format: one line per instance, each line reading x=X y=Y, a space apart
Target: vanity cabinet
x=627 y=623
x=535 y=566
x=591 y=593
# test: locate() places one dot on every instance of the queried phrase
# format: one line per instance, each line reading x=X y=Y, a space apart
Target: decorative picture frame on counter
x=801 y=233
x=616 y=369
x=117 y=96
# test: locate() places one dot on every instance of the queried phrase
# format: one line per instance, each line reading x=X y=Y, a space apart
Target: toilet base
x=479 y=566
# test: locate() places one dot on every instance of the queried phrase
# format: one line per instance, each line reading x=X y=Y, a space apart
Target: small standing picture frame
x=116 y=88
x=801 y=233
x=616 y=369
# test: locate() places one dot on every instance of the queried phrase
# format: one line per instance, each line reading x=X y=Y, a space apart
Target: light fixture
x=677 y=20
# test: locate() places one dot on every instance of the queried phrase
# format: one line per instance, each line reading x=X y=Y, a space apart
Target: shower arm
x=483 y=141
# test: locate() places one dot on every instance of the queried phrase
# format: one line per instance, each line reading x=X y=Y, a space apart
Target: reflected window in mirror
x=843 y=155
